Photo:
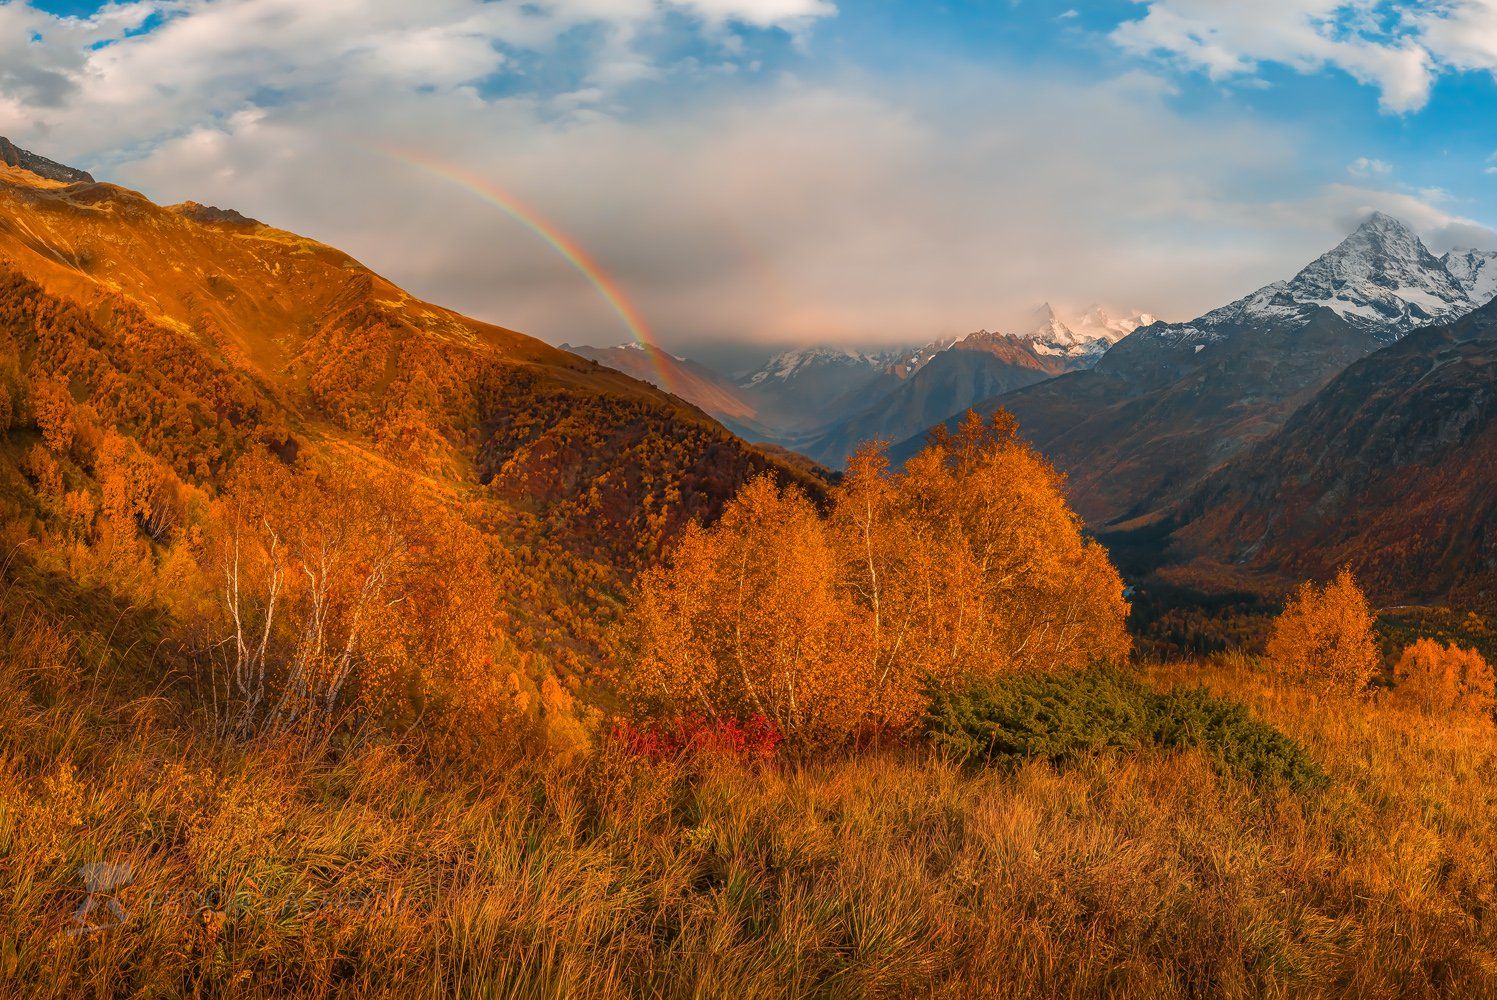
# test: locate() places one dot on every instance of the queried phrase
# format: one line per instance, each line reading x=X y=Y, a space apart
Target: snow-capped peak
x=1085 y=336
x=1381 y=273
x=1476 y=270
x=1381 y=278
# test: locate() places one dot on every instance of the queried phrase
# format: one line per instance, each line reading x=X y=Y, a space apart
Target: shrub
x=1232 y=738
x=1034 y=715
x=1442 y=679
x=754 y=739
x=1062 y=717
x=1324 y=636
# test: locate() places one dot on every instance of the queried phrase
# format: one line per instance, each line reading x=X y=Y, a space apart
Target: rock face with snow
x=1086 y=337
x=1171 y=401
x=1476 y=270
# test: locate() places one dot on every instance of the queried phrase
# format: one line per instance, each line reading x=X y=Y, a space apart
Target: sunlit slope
x=351 y=360
x=212 y=273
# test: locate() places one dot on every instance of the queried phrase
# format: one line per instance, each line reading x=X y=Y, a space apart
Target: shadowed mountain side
x=1136 y=433
x=974 y=369
x=1392 y=467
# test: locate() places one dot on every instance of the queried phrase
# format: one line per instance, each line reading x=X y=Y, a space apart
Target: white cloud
x=731 y=206
x=839 y=210
x=788 y=14
x=1399 y=48
x=1330 y=213
x=96 y=84
x=1365 y=166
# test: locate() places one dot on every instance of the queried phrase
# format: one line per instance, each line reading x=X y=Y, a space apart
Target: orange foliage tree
x=968 y=562
x=1324 y=635
x=343 y=589
x=1442 y=679
x=747 y=620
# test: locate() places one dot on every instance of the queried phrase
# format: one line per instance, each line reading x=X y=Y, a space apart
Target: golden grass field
x=301 y=870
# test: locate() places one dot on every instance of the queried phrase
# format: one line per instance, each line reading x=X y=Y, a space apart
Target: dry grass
x=277 y=870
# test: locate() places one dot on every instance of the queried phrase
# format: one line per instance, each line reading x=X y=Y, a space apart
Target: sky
x=757 y=174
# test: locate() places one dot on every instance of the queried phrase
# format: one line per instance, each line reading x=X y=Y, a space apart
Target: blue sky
x=773 y=172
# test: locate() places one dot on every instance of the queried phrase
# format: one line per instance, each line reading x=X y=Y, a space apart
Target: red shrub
x=752 y=739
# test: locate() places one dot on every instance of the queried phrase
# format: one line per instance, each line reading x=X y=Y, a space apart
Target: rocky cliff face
x=15 y=156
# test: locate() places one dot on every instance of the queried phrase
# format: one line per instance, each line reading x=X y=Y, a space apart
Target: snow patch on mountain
x=1476 y=270
x=1381 y=278
x=788 y=364
x=1085 y=337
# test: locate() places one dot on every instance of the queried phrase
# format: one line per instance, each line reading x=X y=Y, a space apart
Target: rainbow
x=579 y=258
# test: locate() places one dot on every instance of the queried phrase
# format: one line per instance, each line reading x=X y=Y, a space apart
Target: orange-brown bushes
x=342 y=589
x=1445 y=678
x=1324 y=635
x=966 y=563
x=153 y=384
x=748 y=620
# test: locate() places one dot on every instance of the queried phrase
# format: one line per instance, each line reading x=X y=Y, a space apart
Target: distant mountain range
x=1172 y=402
x=824 y=401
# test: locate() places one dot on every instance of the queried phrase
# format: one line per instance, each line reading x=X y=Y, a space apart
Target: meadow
x=302 y=867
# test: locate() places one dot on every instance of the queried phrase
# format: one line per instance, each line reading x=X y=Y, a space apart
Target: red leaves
x=754 y=739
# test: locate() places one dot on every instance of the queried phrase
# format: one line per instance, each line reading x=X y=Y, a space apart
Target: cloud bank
x=739 y=187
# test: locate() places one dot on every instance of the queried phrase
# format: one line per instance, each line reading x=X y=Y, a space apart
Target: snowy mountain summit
x=1381 y=279
x=1085 y=337
x=1382 y=273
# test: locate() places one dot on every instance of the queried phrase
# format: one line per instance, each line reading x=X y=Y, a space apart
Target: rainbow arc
x=579 y=258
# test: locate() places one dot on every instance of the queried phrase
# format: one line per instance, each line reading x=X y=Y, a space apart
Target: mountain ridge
x=1169 y=402
x=201 y=339
x=14 y=156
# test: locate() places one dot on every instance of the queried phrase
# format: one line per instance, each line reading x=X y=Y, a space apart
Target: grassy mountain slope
x=201 y=337
x=272 y=871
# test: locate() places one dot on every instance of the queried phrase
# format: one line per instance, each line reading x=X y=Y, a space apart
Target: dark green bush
x=1059 y=717
x=1033 y=716
x=1232 y=738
